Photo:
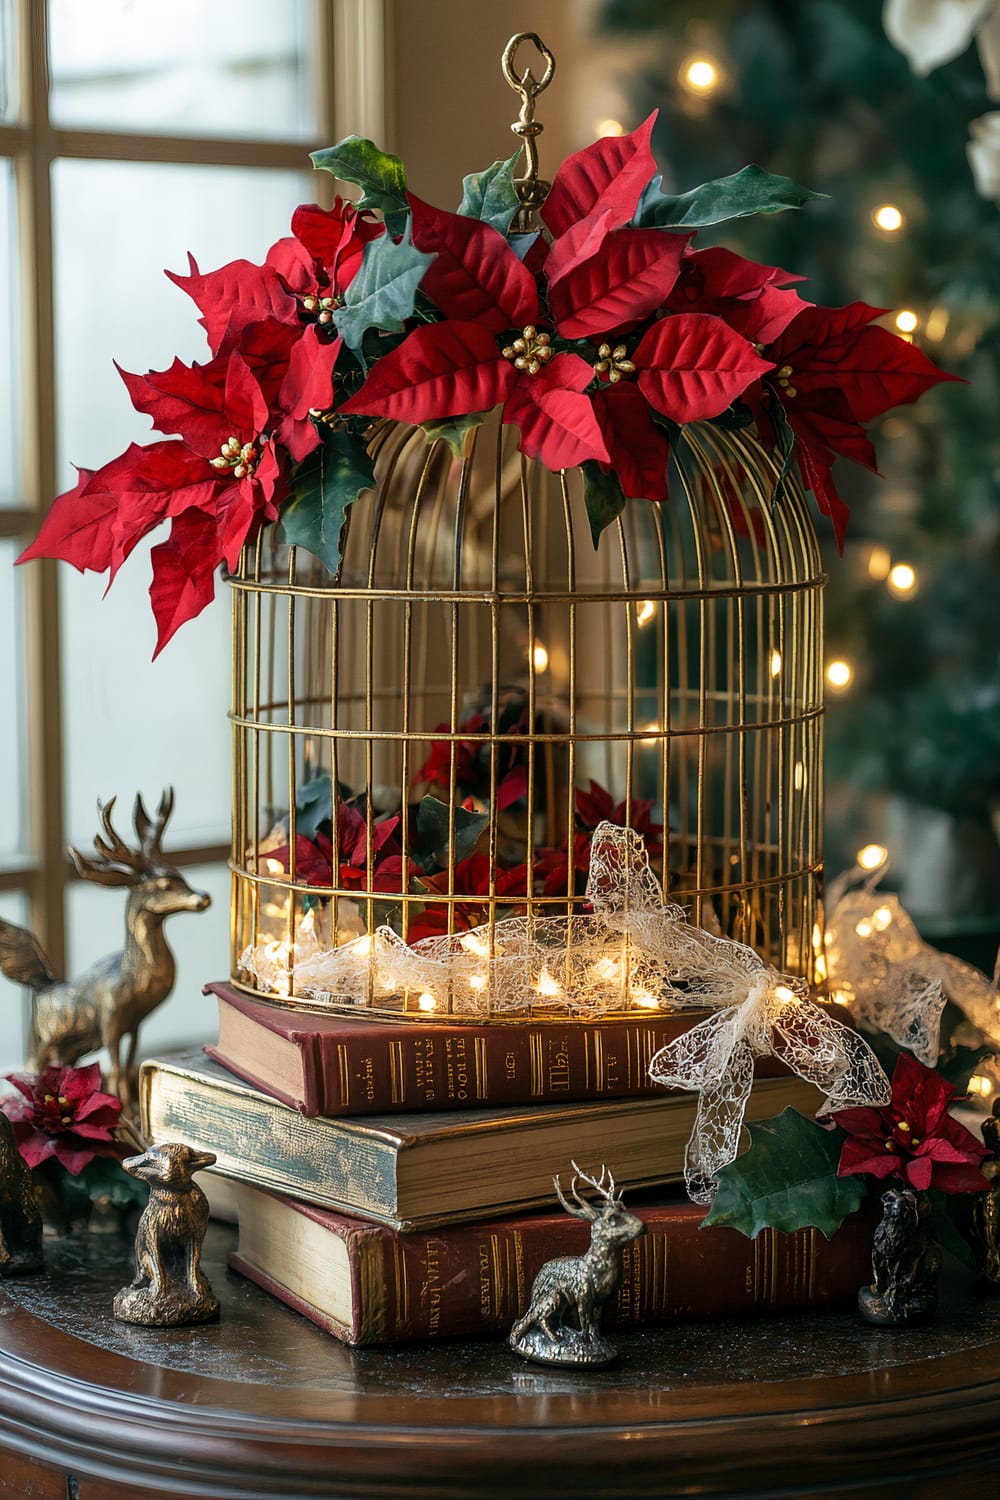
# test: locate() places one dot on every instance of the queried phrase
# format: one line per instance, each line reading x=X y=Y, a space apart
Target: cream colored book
x=414 y=1171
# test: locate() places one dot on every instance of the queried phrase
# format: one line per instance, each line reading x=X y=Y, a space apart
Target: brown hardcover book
x=369 y=1285
x=326 y=1064
x=421 y=1170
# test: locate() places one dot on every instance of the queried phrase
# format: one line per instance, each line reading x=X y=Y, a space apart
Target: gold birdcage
x=481 y=678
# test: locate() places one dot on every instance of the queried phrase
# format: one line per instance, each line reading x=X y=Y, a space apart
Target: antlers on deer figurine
x=105 y=1006
x=562 y=1325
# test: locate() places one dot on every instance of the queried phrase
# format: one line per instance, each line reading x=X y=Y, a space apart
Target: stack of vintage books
x=391 y=1179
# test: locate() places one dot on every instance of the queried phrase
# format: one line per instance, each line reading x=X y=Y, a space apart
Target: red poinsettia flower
x=596 y=806
x=473 y=776
x=507 y=321
x=756 y=300
x=834 y=371
x=913 y=1137
x=472 y=877
x=63 y=1116
x=563 y=869
x=314 y=857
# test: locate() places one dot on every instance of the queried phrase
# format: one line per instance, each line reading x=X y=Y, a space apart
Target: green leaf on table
x=491 y=195
x=453 y=430
x=381 y=177
x=786 y=1179
x=434 y=825
x=749 y=191
x=603 y=497
x=382 y=293
x=323 y=485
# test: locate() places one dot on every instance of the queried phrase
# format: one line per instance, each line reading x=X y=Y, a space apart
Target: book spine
x=476 y=1280
x=364 y=1068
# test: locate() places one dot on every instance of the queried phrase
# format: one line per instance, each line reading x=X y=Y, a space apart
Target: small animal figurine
x=985 y=1207
x=105 y=1006
x=905 y=1264
x=20 y=1219
x=562 y=1325
x=170 y=1288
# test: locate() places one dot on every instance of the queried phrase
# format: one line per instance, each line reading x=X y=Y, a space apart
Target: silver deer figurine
x=106 y=1005
x=562 y=1325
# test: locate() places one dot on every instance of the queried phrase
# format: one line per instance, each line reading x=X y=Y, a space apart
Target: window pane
x=13 y=781
x=13 y=999
x=199 y=941
x=8 y=62
x=131 y=724
x=231 y=68
x=9 y=387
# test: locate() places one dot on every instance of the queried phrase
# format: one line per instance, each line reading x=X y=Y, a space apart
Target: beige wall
x=449 y=110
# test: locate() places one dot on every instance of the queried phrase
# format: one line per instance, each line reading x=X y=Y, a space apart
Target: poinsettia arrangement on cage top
x=599 y=335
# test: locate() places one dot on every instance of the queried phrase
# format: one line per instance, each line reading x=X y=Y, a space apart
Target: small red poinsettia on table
x=913 y=1138
x=62 y=1115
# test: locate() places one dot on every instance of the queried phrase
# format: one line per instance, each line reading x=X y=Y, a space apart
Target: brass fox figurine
x=170 y=1288
x=105 y=1006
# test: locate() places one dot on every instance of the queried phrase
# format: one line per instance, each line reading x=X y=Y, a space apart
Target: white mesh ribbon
x=890 y=979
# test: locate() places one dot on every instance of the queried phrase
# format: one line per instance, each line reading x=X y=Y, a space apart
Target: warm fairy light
x=888 y=218
x=981 y=1085
x=819 y=966
x=775 y=663
x=274 y=867
x=784 y=994
x=608 y=969
x=879 y=563
x=427 y=1001
x=937 y=324
x=653 y=730
x=700 y=75
x=604 y=128
x=871 y=856
x=907 y=320
x=881 y=918
x=548 y=986
x=645 y=999
x=540 y=658
x=864 y=928
x=839 y=674
x=902 y=580
x=645 y=611
x=308 y=923
x=364 y=945
x=799 y=777
x=474 y=943
x=819 y=957
x=478 y=982
x=840 y=998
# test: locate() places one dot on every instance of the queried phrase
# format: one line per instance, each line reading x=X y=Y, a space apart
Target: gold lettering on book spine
x=536 y=1052
x=343 y=1074
x=397 y=1076
x=482 y=1068
x=599 y=1078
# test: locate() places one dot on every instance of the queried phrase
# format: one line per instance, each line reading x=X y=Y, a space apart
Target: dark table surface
x=264 y=1403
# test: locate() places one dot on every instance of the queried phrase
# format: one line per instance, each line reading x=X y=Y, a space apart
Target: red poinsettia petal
x=579 y=243
x=627 y=279
x=919 y=1095
x=763 y=317
x=152 y=483
x=512 y=788
x=824 y=420
x=917 y=1172
x=234 y=296
x=817 y=327
x=862 y=1155
x=556 y=421
x=293 y=263
x=184 y=399
x=311 y=866
x=475 y=276
x=183 y=573
x=336 y=237
x=308 y=386
x=78 y=527
x=958 y=1178
x=881 y=371
x=439 y=370
x=244 y=406
x=639 y=449
x=593 y=807
x=36 y=1148
x=817 y=476
x=608 y=174
x=76 y=1084
x=692 y=366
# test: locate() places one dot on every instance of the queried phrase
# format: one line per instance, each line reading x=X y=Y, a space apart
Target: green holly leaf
x=603 y=497
x=784 y=449
x=313 y=804
x=786 y=1179
x=491 y=195
x=323 y=485
x=749 y=191
x=381 y=177
x=453 y=430
x=383 y=292
x=434 y=824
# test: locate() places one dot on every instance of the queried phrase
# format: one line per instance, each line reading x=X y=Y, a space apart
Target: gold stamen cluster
x=784 y=379
x=614 y=363
x=240 y=457
x=530 y=351
x=322 y=306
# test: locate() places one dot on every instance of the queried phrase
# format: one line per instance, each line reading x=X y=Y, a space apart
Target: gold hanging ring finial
x=531 y=189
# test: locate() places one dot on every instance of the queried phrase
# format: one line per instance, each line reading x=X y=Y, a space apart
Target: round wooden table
x=265 y=1404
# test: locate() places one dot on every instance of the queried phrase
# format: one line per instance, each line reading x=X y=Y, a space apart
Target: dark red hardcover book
x=367 y=1284
x=335 y=1064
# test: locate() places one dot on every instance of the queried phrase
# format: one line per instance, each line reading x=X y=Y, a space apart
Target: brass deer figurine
x=107 y=1004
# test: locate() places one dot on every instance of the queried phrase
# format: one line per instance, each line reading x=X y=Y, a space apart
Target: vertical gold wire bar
x=702 y=582
x=527 y=517
x=293 y=897
x=255 y=788
x=335 y=610
x=238 y=789
x=495 y=628
x=663 y=688
x=570 y=685
x=630 y=670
